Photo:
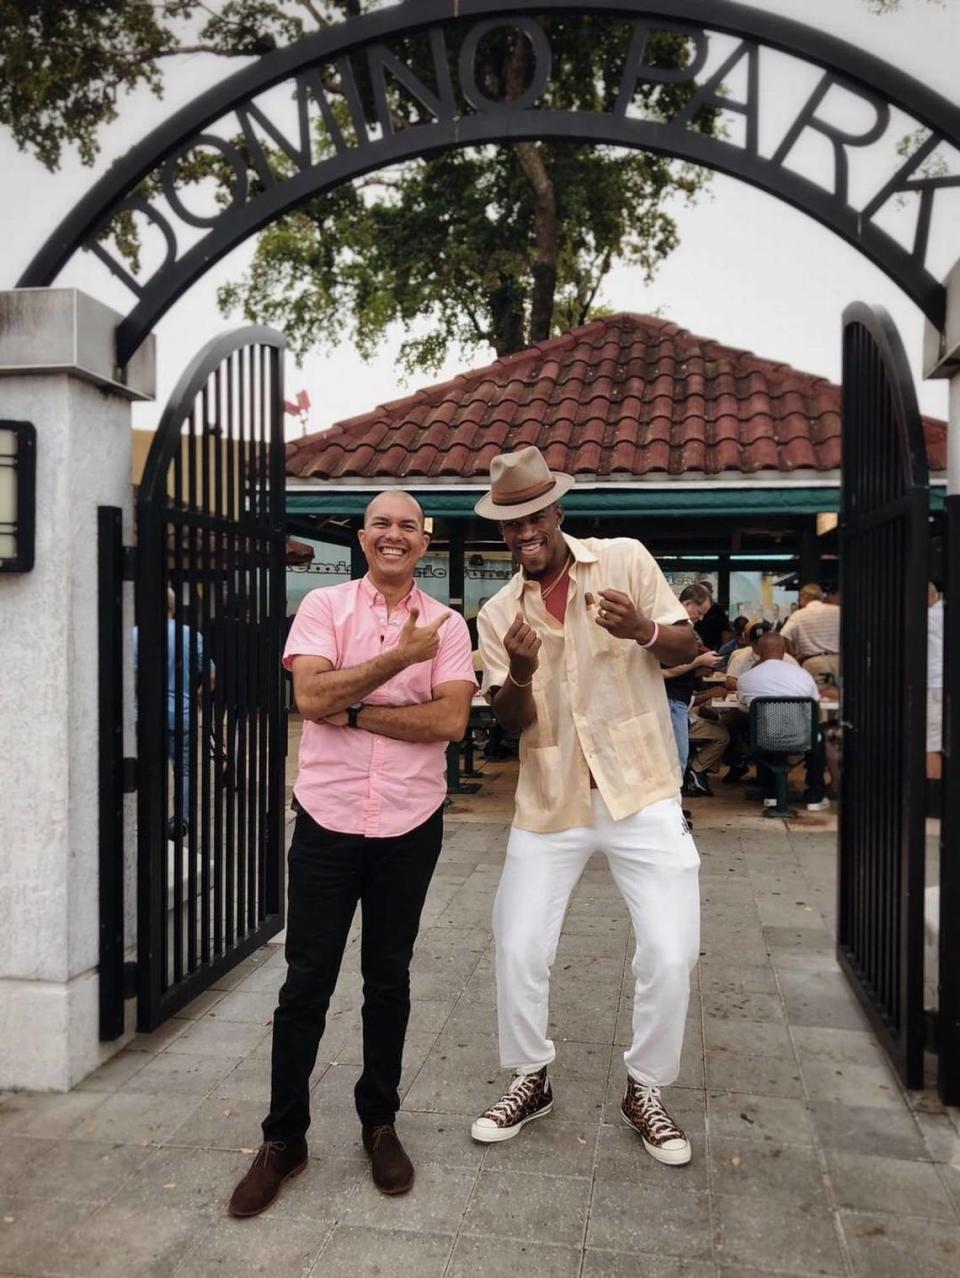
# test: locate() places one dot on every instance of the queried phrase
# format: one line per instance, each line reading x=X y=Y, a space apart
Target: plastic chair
x=779 y=728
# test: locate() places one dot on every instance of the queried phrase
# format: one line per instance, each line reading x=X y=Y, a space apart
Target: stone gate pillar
x=57 y=371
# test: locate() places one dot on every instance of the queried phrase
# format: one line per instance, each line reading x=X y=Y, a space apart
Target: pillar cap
x=941 y=351
x=63 y=330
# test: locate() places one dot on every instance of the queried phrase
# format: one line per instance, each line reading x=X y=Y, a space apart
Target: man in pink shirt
x=383 y=677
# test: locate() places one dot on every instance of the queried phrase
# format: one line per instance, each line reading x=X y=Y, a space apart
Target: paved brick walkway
x=808 y=1159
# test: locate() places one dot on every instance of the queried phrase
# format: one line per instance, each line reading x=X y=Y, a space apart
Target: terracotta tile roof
x=623 y=397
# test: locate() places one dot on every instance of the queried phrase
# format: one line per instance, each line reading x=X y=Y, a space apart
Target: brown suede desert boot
x=391 y=1168
x=276 y=1161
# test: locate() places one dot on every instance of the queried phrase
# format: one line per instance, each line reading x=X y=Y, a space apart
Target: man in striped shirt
x=813 y=633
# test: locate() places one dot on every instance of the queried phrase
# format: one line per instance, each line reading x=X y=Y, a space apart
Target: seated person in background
x=813 y=633
x=708 y=741
x=746 y=658
x=739 y=639
x=773 y=676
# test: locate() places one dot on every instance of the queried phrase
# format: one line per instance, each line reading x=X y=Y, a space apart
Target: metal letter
x=168 y=179
x=301 y=155
x=352 y=96
x=440 y=105
x=542 y=63
x=135 y=204
x=838 y=138
x=707 y=95
x=636 y=70
x=927 y=186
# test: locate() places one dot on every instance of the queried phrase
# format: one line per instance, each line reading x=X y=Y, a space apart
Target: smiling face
x=537 y=542
x=393 y=538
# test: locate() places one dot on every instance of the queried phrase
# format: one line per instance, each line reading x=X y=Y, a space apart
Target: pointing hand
x=419 y=643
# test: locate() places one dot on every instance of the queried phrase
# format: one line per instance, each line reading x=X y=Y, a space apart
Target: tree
x=497 y=245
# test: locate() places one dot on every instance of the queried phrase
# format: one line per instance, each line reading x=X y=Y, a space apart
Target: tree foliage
x=500 y=245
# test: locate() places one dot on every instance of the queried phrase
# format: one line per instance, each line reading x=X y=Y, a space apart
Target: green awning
x=667 y=502
x=677 y=501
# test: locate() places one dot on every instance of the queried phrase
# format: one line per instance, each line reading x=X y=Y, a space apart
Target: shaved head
x=771 y=647
x=389 y=499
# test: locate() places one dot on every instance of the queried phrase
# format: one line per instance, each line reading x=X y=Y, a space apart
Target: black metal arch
x=168 y=437
x=878 y=84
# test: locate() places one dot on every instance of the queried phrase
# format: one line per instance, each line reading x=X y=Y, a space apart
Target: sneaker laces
x=378 y=1133
x=658 y=1122
x=511 y=1103
x=266 y=1149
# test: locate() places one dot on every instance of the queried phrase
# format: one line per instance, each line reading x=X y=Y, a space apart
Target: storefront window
x=483 y=575
x=331 y=565
x=678 y=578
x=757 y=596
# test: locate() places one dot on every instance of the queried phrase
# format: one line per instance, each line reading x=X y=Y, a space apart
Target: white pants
x=654 y=863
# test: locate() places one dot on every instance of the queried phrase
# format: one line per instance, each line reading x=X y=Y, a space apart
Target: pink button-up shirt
x=359 y=782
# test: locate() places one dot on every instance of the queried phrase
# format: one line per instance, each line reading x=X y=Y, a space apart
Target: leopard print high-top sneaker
x=528 y=1097
x=644 y=1111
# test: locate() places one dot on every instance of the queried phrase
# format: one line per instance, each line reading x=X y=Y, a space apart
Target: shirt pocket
x=541 y=786
x=641 y=752
x=543 y=732
x=602 y=644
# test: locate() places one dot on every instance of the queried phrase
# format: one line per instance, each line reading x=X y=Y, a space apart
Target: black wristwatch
x=352 y=712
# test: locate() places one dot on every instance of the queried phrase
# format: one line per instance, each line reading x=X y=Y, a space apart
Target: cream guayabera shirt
x=601 y=703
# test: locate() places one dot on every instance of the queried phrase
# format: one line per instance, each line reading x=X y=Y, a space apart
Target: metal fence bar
x=194 y=689
x=110 y=716
x=207 y=574
x=234 y=405
x=219 y=745
x=948 y=1024
x=274 y=900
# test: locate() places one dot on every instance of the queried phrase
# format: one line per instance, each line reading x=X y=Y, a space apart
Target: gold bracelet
x=518 y=685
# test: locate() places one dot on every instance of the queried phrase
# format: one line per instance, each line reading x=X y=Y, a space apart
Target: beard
x=536 y=574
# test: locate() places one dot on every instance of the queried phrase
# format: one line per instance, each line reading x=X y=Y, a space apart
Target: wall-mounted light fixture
x=18 y=495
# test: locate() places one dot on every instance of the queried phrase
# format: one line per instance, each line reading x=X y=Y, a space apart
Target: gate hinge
x=129 y=563
x=129 y=980
x=931 y=1030
x=130 y=776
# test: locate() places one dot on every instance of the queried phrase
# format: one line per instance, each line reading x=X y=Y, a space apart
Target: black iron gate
x=884 y=552
x=948 y=1018
x=211 y=730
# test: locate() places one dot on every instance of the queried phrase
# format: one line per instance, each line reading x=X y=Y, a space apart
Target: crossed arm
x=324 y=693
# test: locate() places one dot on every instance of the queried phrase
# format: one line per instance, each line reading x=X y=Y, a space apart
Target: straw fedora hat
x=521 y=484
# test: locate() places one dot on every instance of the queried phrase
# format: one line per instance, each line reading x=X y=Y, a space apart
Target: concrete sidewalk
x=808 y=1157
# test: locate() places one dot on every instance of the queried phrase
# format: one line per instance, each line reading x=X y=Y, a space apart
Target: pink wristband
x=653 y=638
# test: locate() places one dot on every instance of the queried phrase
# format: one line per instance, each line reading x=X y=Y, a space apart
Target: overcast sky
x=750 y=271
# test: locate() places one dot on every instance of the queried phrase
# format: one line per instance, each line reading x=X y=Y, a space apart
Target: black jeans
x=329 y=873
